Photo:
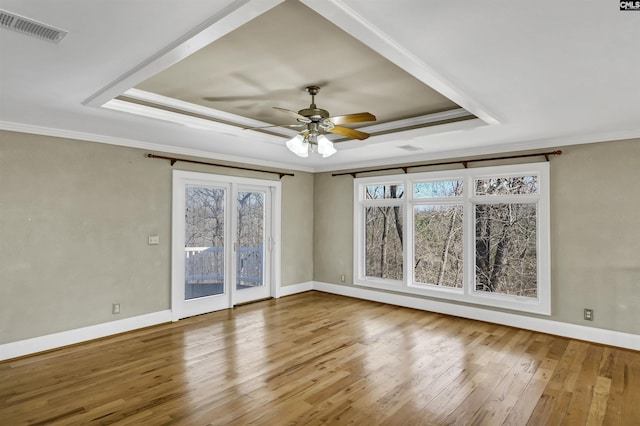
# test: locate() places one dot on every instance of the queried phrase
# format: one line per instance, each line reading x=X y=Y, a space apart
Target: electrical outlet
x=115 y=308
x=588 y=314
x=154 y=239
x=342 y=278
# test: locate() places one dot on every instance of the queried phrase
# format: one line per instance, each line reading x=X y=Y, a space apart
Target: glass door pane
x=250 y=240
x=204 y=241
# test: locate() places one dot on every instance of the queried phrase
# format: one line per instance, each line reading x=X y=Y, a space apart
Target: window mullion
x=409 y=234
x=468 y=241
x=505 y=199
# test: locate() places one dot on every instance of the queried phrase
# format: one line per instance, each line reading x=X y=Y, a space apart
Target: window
x=383 y=230
x=477 y=235
x=437 y=233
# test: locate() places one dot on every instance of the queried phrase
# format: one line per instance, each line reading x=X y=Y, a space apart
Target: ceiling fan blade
x=294 y=114
x=352 y=118
x=350 y=133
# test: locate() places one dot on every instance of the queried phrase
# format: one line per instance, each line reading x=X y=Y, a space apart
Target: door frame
x=183 y=178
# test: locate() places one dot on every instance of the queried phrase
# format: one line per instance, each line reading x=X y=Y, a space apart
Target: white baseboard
x=288 y=290
x=84 y=334
x=574 y=331
x=70 y=337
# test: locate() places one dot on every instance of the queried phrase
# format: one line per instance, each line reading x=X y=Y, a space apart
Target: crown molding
x=425 y=157
x=131 y=143
x=534 y=144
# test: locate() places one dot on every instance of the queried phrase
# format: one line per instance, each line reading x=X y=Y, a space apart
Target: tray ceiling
x=269 y=61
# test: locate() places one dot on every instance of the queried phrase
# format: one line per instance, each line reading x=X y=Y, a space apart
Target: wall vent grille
x=30 y=27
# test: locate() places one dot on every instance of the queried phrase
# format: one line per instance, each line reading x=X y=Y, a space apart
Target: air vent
x=27 y=26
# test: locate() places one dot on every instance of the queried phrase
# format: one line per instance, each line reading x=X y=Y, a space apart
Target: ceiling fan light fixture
x=318 y=120
x=299 y=145
x=325 y=147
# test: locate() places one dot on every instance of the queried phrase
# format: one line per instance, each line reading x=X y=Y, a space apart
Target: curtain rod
x=184 y=160
x=463 y=162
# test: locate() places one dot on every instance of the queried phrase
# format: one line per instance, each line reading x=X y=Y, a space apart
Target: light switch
x=154 y=239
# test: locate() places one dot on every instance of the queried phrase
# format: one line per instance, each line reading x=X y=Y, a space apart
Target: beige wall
x=74 y=221
x=297 y=229
x=595 y=233
x=333 y=235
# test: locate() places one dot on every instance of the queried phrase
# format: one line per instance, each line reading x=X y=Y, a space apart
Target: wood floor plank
x=631 y=387
x=598 y=407
x=321 y=359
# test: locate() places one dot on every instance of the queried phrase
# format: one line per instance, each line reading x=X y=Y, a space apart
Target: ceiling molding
x=246 y=123
x=131 y=143
x=422 y=120
x=488 y=150
x=431 y=156
x=415 y=136
x=193 y=122
x=215 y=114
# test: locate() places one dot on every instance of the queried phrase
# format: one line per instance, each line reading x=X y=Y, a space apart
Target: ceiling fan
x=316 y=122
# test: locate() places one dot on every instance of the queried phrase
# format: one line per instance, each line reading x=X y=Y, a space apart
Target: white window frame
x=383 y=202
x=539 y=305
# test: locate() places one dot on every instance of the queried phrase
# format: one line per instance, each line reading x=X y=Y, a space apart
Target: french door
x=222 y=242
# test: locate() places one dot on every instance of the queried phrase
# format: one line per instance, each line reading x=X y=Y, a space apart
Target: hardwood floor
x=316 y=358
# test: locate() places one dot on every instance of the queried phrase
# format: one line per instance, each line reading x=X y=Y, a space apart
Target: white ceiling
x=537 y=74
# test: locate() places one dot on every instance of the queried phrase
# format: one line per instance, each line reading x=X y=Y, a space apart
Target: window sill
x=502 y=301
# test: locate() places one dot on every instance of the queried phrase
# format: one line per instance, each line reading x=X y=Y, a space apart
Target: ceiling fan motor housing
x=314 y=114
x=318 y=120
